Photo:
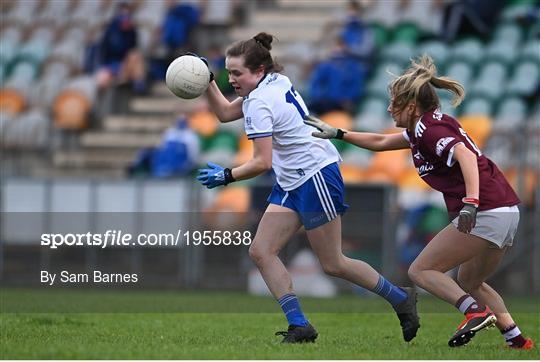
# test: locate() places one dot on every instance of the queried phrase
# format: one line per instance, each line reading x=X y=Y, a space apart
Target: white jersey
x=275 y=109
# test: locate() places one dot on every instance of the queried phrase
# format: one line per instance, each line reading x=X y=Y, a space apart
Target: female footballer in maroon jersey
x=475 y=191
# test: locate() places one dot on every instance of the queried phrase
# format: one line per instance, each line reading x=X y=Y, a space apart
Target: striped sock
x=513 y=336
x=394 y=295
x=291 y=307
x=467 y=304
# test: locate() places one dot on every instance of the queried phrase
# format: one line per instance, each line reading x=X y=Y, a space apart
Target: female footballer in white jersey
x=309 y=187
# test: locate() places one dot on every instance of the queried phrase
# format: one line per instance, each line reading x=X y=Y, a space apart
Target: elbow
x=264 y=165
x=222 y=118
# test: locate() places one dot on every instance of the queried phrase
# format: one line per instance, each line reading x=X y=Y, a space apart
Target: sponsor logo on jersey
x=272 y=78
x=418 y=156
x=248 y=121
x=424 y=169
x=441 y=145
x=300 y=172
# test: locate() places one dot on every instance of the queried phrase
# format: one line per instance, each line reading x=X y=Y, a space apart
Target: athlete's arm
x=259 y=163
x=469 y=168
x=376 y=141
x=225 y=111
x=370 y=141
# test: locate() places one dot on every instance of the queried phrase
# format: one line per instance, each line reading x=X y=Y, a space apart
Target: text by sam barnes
x=66 y=277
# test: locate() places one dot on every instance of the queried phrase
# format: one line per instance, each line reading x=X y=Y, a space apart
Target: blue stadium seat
x=469 y=50
x=512 y=109
x=509 y=33
x=399 y=52
x=501 y=50
x=381 y=77
x=372 y=115
x=525 y=78
x=461 y=71
x=490 y=80
x=530 y=50
x=436 y=49
x=477 y=106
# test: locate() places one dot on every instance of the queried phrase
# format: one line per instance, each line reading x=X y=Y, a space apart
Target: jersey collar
x=258 y=84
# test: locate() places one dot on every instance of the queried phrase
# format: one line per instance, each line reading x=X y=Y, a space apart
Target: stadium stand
x=45 y=95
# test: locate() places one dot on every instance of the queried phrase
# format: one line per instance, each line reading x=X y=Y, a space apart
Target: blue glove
x=214 y=176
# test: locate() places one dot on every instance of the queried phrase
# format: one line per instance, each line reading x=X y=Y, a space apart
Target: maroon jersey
x=432 y=145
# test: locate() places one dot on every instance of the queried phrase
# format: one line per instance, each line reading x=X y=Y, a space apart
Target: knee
x=333 y=268
x=258 y=254
x=255 y=254
x=415 y=273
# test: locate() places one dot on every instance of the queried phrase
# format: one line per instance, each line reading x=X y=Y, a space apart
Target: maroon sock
x=467 y=304
x=513 y=336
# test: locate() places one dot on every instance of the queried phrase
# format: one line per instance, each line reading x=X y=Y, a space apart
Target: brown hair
x=256 y=53
x=418 y=84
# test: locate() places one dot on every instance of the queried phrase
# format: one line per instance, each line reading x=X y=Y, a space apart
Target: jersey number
x=470 y=142
x=290 y=97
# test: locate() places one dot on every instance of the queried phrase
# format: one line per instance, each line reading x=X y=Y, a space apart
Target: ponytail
x=418 y=84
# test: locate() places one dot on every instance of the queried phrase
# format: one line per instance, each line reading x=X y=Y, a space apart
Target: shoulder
x=435 y=121
x=436 y=128
x=272 y=87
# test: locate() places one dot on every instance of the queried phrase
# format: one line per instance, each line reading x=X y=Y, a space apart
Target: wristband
x=339 y=134
x=228 y=176
x=471 y=201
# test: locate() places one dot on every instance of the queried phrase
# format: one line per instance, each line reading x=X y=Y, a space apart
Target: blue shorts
x=317 y=201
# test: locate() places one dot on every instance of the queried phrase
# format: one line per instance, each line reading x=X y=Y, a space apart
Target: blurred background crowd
x=83 y=97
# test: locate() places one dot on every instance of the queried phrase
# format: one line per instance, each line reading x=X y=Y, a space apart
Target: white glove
x=327 y=131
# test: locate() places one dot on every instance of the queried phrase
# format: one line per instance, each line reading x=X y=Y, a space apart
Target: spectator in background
x=357 y=37
x=174 y=36
x=177 y=154
x=216 y=62
x=119 y=57
x=470 y=17
x=338 y=82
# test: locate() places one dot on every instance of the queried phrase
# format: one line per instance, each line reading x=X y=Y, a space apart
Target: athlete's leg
x=277 y=226
x=445 y=251
x=326 y=242
x=471 y=277
x=448 y=249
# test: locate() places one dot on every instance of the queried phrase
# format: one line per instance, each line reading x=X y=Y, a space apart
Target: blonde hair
x=418 y=84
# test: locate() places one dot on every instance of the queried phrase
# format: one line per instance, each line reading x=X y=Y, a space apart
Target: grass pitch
x=349 y=328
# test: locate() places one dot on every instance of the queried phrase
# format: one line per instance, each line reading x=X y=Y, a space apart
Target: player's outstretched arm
x=259 y=163
x=370 y=141
x=215 y=175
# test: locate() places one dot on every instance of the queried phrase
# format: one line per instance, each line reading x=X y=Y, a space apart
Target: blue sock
x=291 y=307
x=389 y=291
